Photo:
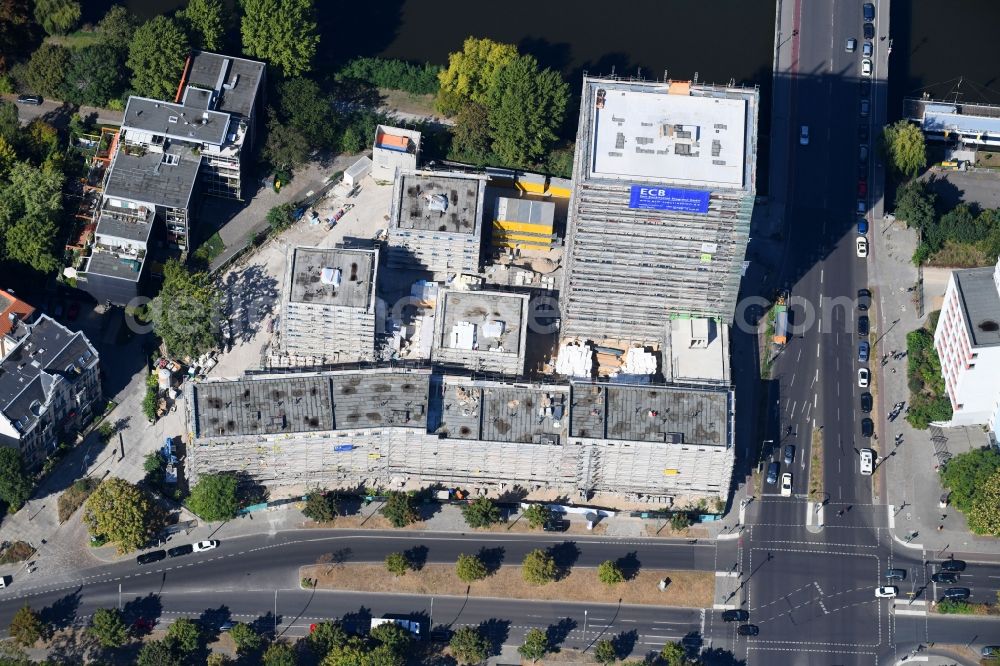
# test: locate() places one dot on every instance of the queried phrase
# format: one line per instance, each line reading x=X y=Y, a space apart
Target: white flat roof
x=653 y=136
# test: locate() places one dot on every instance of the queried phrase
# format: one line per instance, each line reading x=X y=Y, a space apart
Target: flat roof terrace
x=497 y=318
x=177 y=121
x=163 y=179
x=262 y=406
x=503 y=413
x=980 y=304
x=105 y=263
x=333 y=276
x=432 y=202
x=696 y=417
x=645 y=133
x=371 y=399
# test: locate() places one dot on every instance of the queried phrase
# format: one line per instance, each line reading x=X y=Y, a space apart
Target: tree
x=122 y=513
x=605 y=652
x=159 y=653
x=321 y=506
x=472 y=73
x=205 y=23
x=282 y=32
x=46 y=69
x=281 y=216
x=326 y=637
x=108 y=626
x=967 y=472
x=94 y=75
x=470 y=568
x=481 y=512
x=246 y=638
x=527 y=107
x=286 y=146
x=15 y=485
x=307 y=109
x=984 y=515
x=393 y=637
x=153 y=464
x=279 y=653
x=537 y=515
x=904 y=145
x=356 y=651
x=10 y=125
x=469 y=646
x=536 y=644
x=156 y=57
x=470 y=141
x=18 y=31
x=117 y=27
x=397 y=564
x=26 y=626
x=57 y=17
x=609 y=573
x=186 y=634
x=217 y=659
x=186 y=312
x=915 y=204
x=674 y=654
x=400 y=509
x=12 y=654
x=539 y=567
x=8 y=157
x=680 y=521
x=215 y=497
x=30 y=210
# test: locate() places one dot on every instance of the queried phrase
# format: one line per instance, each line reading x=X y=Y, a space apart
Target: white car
x=867 y=461
x=786 y=485
x=804 y=135
x=202 y=546
x=886 y=592
x=866 y=67
x=862 y=246
x=863 y=377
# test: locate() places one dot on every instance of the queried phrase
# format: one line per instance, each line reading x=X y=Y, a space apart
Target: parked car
x=789 y=454
x=867 y=427
x=862 y=187
x=150 y=557
x=863 y=326
x=555 y=525
x=862 y=207
x=866 y=67
x=735 y=615
x=866 y=402
x=990 y=651
x=864 y=297
x=865 y=107
x=202 y=546
x=895 y=574
x=957 y=593
x=772 y=473
x=748 y=630
x=864 y=376
x=786 y=484
x=73 y=311
x=804 y=135
x=863 y=348
x=867 y=458
x=29 y=99
x=862 y=246
x=868 y=31
x=863 y=154
x=851 y=46
x=952 y=565
x=886 y=592
x=868 y=11
x=177 y=551
x=862 y=227
x=945 y=577
x=867 y=50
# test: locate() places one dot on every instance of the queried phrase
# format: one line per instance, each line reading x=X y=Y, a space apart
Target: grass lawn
x=693 y=589
x=210 y=249
x=400 y=100
x=75 y=40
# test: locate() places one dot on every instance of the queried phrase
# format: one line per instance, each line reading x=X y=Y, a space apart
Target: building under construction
x=663 y=191
x=483 y=331
x=395 y=428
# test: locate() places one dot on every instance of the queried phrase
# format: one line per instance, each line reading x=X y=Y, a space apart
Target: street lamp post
x=585 y=628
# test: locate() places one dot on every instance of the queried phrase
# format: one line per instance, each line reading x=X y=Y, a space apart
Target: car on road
x=748 y=630
x=735 y=615
x=29 y=99
x=863 y=326
x=786 y=484
x=862 y=227
x=945 y=577
x=177 y=551
x=865 y=107
x=851 y=45
x=143 y=625
x=863 y=154
x=867 y=427
x=895 y=574
x=789 y=454
x=73 y=311
x=862 y=187
x=150 y=557
x=863 y=349
x=886 y=592
x=868 y=11
x=862 y=246
x=804 y=135
x=862 y=206
x=957 y=593
x=866 y=67
x=990 y=651
x=227 y=625
x=864 y=376
x=202 y=546
x=952 y=565
x=866 y=402
x=772 y=473
x=868 y=31
x=867 y=458
x=864 y=298
x=867 y=50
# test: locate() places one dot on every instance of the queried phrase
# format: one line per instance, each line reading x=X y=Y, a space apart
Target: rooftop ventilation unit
x=330 y=276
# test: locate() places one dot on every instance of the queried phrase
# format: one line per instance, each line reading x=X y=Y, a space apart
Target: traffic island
x=690 y=589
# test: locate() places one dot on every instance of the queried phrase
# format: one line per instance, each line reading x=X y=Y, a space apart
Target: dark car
x=735 y=615
x=748 y=630
x=868 y=11
x=867 y=427
x=862 y=230
x=863 y=133
x=945 y=577
x=866 y=402
x=866 y=87
x=863 y=352
x=150 y=557
x=957 y=593
x=895 y=574
x=952 y=565
x=864 y=297
x=869 y=31
x=863 y=325
x=29 y=99
x=73 y=311
x=789 y=454
x=555 y=525
x=177 y=551
x=772 y=473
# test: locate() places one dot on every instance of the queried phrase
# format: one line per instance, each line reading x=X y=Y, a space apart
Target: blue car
x=862 y=227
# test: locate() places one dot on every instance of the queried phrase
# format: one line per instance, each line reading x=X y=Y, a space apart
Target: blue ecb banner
x=666 y=198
